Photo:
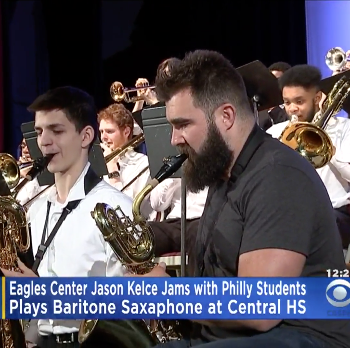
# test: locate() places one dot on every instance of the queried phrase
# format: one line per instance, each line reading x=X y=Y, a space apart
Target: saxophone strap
x=90 y=181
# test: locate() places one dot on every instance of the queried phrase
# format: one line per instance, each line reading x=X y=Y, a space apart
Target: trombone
x=121 y=151
x=119 y=93
x=311 y=140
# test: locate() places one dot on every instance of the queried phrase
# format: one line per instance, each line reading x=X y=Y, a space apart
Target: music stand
x=157 y=132
x=262 y=87
x=327 y=84
x=137 y=116
x=96 y=158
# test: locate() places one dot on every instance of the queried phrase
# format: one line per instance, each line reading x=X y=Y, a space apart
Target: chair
x=172 y=261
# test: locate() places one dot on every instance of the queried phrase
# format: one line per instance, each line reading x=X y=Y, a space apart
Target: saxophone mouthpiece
x=38 y=166
x=171 y=165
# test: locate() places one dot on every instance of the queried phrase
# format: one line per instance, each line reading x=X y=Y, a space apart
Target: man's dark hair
x=212 y=80
x=166 y=66
x=280 y=66
x=78 y=106
x=306 y=76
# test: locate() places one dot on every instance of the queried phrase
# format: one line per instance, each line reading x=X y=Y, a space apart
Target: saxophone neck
x=136 y=205
x=170 y=166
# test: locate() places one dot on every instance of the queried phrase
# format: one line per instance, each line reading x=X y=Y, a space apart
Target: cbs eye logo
x=339 y=293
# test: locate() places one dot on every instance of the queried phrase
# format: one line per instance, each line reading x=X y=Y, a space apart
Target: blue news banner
x=175 y=298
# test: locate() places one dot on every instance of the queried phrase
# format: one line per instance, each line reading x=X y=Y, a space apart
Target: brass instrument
x=133 y=243
x=14 y=238
x=311 y=139
x=336 y=59
x=119 y=93
x=121 y=151
x=10 y=170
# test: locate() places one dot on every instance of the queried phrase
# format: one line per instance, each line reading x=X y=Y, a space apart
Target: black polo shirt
x=274 y=199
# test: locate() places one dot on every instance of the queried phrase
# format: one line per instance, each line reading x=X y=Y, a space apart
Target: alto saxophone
x=133 y=242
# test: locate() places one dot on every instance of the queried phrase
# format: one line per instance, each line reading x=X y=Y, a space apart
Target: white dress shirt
x=336 y=174
x=137 y=129
x=29 y=190
x=78 y=249
x=168 y=194
x=130 y=166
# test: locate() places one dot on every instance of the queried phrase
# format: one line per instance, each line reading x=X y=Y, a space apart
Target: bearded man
x=268 y=213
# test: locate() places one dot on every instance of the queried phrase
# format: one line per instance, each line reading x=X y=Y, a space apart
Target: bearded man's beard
x=311 y=114
x=210 y=164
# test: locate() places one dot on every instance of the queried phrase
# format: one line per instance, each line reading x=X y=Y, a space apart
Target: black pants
x=276 y=338
x=342 y=215
x=50 y=342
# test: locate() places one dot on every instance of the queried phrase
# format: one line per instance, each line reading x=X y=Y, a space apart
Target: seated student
x=301 y=93
x=116 y=127
x=65 y=121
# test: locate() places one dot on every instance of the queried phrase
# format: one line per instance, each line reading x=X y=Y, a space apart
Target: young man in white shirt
x=301 y=92
x=116 y=126
x=66 y=125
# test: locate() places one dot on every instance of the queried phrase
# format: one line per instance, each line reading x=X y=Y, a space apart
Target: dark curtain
x=74 y=44
x=8 y=136
x=243 y=31
x=41 y=54
x=2 y=125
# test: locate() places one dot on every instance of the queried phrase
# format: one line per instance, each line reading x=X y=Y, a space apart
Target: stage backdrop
x=327 y=26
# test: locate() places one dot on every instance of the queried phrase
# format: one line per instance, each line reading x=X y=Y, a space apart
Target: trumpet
x=119 y=93
x=336 y=59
